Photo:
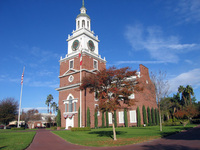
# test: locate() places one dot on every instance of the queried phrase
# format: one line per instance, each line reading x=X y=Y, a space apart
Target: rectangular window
x=65 y=107
x=95 y=64
x=121 y=117
x=96 y=93
x=133 y=117
x=70 y=106
x=110 y=118
x=74 y=106
x=97 y=107
x=71 y=64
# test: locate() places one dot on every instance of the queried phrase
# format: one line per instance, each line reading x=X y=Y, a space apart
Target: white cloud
x=188 y=10
x=188 y=78
x=51 y=84
x=160 y=47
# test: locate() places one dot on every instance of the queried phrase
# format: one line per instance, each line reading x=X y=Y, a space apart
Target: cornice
x=84 y=52
x=77 y=71
x=82 y=31
x=68 y=87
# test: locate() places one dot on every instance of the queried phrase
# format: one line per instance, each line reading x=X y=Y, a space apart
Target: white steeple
x=83 y=39
x=83 y=20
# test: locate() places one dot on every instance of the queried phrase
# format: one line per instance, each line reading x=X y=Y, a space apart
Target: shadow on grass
x=3 y=147
x=167 y=147
x=107 y=133
x=192 y=134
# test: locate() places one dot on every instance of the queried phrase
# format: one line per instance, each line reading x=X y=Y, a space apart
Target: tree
x=186 y=93
x=88 y=117
x=162 y=89
x=58 y=119
x=149 y=116
x=103 y=120
x=96 y=119
x=156 y=116
x=54 y=106
x=114 y=88
x=189 y=91
x=8 y=110
x=181 y=90
x=107 y=121
x=187 y=112
x=144 y=115
x=153 y=116
x=115 y=116
x=48 y=101
x=32 y=114
x=125 y=117
x=79 y=117
x=138 y=117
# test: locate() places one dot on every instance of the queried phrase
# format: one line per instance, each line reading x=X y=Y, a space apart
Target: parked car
x=11 y=126
x=2 y=126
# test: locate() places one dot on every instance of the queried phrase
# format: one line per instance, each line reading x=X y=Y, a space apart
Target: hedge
x=81 y=129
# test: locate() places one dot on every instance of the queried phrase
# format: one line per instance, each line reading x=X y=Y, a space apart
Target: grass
x=15 y=140
x=125 y=136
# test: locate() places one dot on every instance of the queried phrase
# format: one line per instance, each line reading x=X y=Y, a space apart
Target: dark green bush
x=58 y=119
x=125 y=118
x=81 y=129
x=53 y=128
x=138 y=117
x=15 y=128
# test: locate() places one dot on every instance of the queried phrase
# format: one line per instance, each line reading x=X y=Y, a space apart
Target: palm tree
x=48 y=101
x=189 y=91
x=54 y=106
x=181 y=90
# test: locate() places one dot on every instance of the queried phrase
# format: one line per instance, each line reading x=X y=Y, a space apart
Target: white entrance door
x=69 y=122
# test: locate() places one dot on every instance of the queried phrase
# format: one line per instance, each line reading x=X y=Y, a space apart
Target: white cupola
x=83 y=20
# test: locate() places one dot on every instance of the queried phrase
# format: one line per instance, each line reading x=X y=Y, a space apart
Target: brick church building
x=83 y=59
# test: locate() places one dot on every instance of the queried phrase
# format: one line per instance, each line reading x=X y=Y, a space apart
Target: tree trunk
x=160 y=116
x=113 y=124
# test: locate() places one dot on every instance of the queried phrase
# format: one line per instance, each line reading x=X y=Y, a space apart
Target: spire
x=83 y=3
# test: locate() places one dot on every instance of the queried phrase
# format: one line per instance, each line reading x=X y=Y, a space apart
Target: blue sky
x=162 y=35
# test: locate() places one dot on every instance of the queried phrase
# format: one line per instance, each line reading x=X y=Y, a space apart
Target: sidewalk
x=188 y=140
x=45 y=140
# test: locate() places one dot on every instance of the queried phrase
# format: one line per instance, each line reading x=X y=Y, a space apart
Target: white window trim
x=110 y=118
x=94 y=60
x=70 y=63
x=71 y=78
x=131 y=117
x=98 y=112
x=96 y=99
x=120 y=113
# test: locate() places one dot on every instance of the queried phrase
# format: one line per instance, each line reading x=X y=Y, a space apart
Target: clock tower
x=81 y=60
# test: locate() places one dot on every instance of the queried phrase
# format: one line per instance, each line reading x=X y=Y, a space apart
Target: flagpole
x=80 y=97
x=80 y=55
x=20 y=97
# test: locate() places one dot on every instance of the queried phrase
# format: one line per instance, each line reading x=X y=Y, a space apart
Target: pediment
x=70 y=71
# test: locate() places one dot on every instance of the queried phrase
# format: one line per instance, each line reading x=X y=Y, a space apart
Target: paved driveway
x=188 y=140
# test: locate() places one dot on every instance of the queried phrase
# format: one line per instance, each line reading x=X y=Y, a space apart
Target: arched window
x=83 y=23
x=88 y=24
x=78 y=24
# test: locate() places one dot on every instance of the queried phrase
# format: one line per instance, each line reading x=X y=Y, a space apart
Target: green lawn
x=125 y=136
x=15 y=140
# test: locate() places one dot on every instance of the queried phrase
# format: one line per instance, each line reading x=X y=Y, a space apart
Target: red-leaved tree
x=114 y=87
x=187 y=112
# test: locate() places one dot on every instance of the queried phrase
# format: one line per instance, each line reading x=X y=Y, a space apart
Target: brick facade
x=69 y=93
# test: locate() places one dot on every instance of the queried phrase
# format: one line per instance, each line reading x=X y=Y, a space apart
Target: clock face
x=75 y=45
x=91 y=45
